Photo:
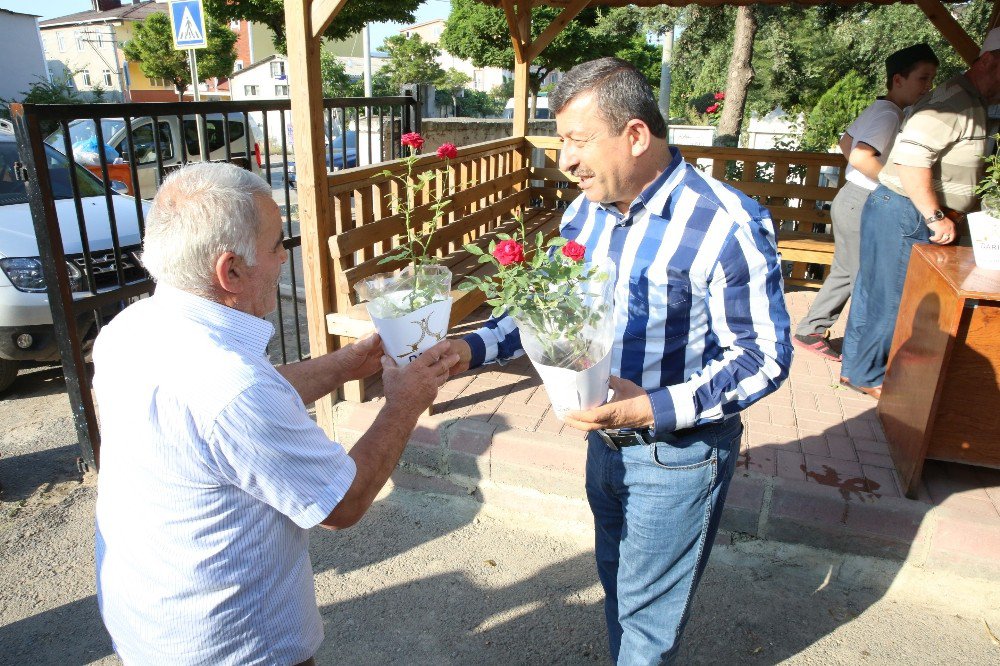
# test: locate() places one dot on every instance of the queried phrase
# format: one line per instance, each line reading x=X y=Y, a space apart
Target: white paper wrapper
x=571 y=390
x=410 y=309
x=984 y=230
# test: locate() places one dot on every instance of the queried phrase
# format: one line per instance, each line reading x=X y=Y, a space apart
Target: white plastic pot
x=984 y=230
x=571 y=390
x=407 y=337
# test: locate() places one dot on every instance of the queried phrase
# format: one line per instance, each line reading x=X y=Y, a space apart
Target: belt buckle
x=607 y=439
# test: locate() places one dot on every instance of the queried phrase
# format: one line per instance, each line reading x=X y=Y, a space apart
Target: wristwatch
x=936 y=216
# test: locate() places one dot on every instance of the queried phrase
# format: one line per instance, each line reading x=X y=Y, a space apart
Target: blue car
x=339 y=155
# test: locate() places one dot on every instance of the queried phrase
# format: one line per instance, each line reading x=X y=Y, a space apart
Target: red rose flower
x=574 y=250
x=447 y=151
x=720 y=96
x=712 y=109
x=508 y=252
x=413 y=140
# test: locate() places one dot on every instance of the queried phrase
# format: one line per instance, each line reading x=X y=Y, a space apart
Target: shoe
x=817 y=344
x=873 y=391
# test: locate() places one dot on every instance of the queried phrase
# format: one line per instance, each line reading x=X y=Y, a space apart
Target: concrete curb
x=544 y=473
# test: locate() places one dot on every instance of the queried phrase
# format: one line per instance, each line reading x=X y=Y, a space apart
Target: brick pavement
x=814 y=464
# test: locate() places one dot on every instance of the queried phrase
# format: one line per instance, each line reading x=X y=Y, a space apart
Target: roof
x=135 y=12
x=8 y=11
x=262 y=61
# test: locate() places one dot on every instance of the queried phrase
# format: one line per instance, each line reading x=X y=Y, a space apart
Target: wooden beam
x=558 y=23
x=521 y=90
x=322 y=13
x=950 y=29
x=520 y=49
x=310 y=165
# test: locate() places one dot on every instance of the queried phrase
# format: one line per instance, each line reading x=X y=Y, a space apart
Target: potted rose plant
x=411 y=307
x=984 y=226
x=563 y=309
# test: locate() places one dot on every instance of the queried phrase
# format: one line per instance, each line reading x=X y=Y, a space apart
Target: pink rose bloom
x=447 y=151
x=508 y=252
x=413 y=140
x=720 y=96
x=712 y=109
x=574 y=250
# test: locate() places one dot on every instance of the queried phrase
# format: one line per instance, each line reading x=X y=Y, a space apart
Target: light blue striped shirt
x=211 y=473
x=700 y=318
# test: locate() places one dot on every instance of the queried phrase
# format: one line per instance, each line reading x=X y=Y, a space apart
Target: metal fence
x=88 y=202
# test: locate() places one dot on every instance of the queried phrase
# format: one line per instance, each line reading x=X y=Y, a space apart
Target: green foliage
x=547 y=291
x=989 y=187
x=835 y=110
x=352 y=17
x=411 y=60
x=478 y=104
x=60 y=91
x=479 y=33
x=152 y=47
x=645 y=57
x=449 y=86
x=336 y=81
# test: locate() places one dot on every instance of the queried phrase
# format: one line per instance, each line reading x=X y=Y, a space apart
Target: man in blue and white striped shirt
x=211 y=469
x=701 y=333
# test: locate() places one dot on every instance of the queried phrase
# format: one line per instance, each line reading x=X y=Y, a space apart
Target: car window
x=145 y=144
x=215 y=132
x=82 y=129
x=12 y=191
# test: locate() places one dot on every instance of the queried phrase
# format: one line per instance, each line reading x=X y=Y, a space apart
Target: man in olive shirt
x=927 y=185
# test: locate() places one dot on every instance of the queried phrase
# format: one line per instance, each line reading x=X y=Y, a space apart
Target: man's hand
x=360 y=359
x=629 y=408
x=412 y=388
x=942 y=231
x=464 y=352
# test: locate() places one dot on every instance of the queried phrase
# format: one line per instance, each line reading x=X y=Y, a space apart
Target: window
x=278 y=69
x=238 y=66
x=107 y=77
x=215 y=133
x=251 y=91
x=145 y=144
x=79 y=36
x=86 y=78
x=235 y=26
x=281 y=91
x=61 y=42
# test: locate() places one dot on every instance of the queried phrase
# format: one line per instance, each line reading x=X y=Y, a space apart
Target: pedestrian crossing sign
x=187 y=23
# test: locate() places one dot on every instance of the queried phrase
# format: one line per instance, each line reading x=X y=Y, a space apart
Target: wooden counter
x=940 y=398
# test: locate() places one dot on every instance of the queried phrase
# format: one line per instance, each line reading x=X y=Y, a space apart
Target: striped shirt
x=700 y=318
x=947 y=132
x=211 y=473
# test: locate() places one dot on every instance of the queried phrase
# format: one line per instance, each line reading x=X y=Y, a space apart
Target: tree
x=411 y=60
x=450 y=84
x=836 y=109
x=479 y=33
x=740 y=75
x=352 y=17
x=336 y=81
x=152 y=47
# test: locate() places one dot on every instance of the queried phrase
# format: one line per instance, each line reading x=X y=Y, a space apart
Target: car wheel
x=8 y=372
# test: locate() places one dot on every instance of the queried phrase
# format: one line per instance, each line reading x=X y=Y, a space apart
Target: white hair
x=200 y=212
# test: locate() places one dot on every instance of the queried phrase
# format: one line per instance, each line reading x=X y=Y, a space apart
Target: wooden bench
x=490 y=192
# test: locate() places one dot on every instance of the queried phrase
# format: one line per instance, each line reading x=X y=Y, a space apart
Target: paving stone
x=871 y=446
x=527 y=423
x=816 y=416
x=881 y=481
x=814 y=445
x=743 y=503
x=841 y=447
x=514 y=405
x=807 y=428
x=783 y=416
x=844 y=474
x=760 y=460
x=538 y=451
x=471 y=437
x=791 y=465
x=875 y=460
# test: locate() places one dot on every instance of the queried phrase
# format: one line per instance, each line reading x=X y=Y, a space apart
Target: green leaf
x=472 y=248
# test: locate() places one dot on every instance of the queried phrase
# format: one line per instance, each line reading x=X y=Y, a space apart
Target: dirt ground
x=432 y=580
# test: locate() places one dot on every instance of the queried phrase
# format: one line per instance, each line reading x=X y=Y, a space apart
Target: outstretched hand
x=360 y=359
x=413 y=388
x=630 y=407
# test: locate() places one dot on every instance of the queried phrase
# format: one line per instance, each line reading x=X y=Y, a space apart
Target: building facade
x=20 y=53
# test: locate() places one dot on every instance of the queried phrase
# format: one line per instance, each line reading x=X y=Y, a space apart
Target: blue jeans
x=890 y=226
x=656 y=511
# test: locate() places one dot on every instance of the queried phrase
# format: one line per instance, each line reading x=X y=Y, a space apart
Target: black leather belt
x=616 y=439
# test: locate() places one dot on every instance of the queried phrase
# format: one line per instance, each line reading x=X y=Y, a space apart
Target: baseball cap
x=911 y=55
x=992 y=41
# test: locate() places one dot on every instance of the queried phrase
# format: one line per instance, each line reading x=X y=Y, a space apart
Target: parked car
x=27 y=335
x=339 y=161
x=176 y=147
x=541 y=111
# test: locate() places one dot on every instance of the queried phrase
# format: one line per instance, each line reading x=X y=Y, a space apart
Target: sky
x=47 y=9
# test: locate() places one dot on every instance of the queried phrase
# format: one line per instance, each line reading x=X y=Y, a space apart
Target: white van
x=173 y=152
x=541 y=111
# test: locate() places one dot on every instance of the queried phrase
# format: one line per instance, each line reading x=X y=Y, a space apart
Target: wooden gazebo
x=346 y=224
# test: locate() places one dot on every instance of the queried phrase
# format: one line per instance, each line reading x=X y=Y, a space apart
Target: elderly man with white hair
x=211 y=469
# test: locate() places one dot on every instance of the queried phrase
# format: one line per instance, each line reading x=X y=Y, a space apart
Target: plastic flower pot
x=984 y=229
x=410 y=309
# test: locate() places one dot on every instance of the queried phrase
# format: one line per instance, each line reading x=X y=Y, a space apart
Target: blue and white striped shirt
x=211 y=473
x=700 y=318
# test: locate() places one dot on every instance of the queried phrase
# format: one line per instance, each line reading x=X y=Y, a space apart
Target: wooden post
x=304 y=25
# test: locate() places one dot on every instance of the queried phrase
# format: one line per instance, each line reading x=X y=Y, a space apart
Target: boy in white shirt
x=866 y=145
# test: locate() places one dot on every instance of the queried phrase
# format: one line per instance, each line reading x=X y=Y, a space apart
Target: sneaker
x=817 y=344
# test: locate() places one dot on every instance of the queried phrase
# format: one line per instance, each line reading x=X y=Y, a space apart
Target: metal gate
x=89 y=217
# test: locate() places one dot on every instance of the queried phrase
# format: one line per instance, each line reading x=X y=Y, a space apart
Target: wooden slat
x=812 y=215
x=542 y=173
x=322 y=14
x=804 y=192
x=950 y=29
